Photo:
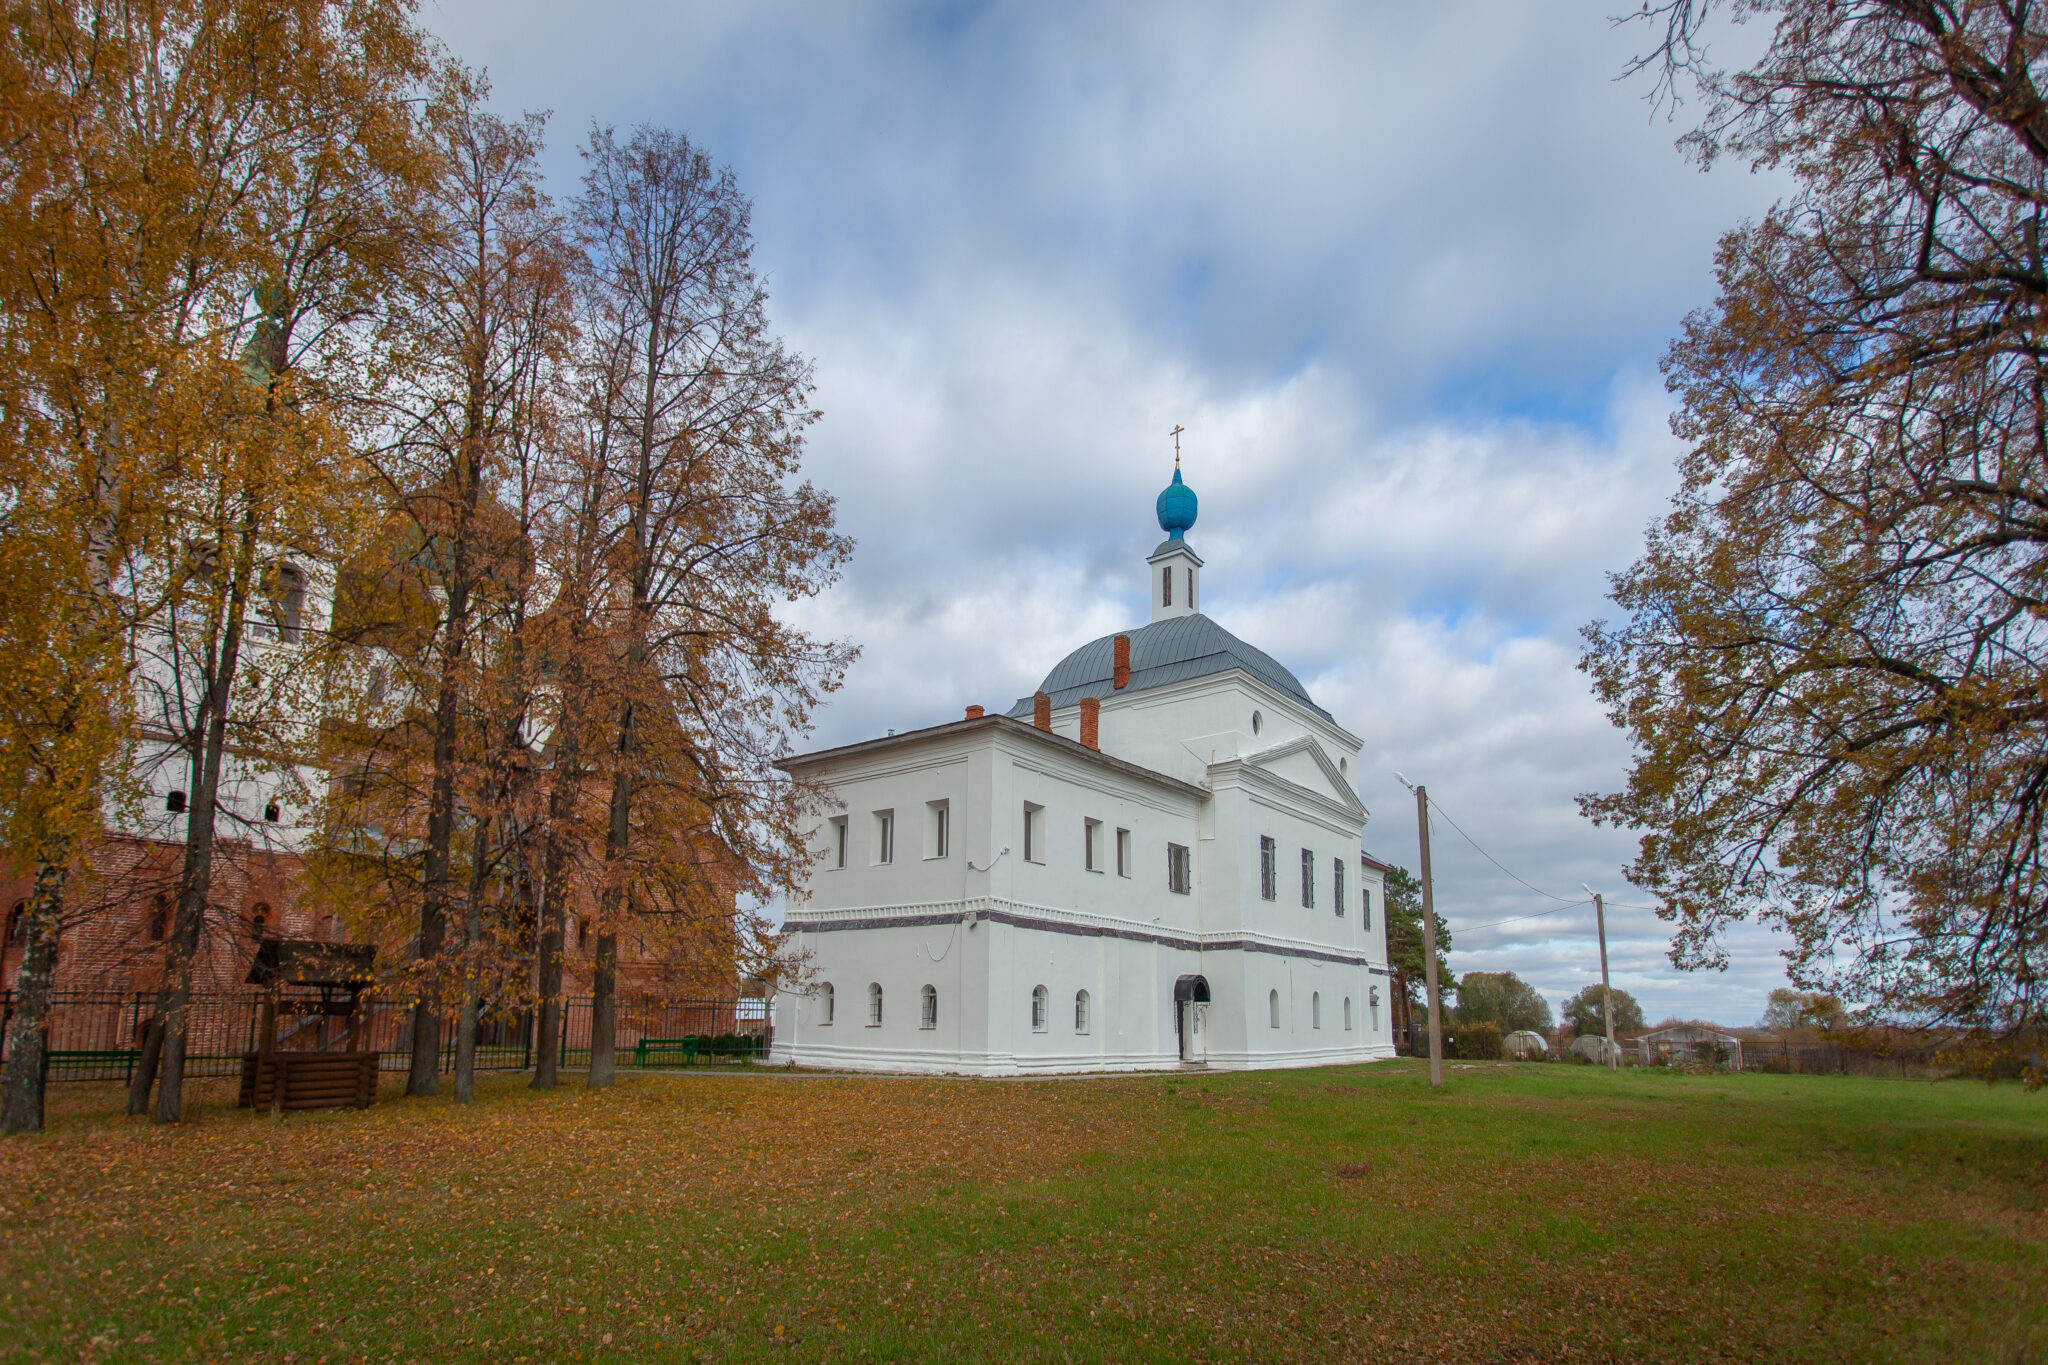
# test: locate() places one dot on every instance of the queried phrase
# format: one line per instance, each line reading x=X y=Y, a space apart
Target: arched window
x=259 y=920
x=160 y=917
x=825 y=993
x=14 y=922
x=1273 y=1008
x=874 y=1004
x=928 y=1007
x=1347 y=1014
x=1080 y=1011
x=1315 y=1010
x=1038 y=1011
x=1166 y=585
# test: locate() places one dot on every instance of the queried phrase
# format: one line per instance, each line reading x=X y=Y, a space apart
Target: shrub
x=1474 y=1042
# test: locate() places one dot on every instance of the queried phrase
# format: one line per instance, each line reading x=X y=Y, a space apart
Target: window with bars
x=1038 y=1009
x=874 y=1004
x=928 y=1007
x=1179 y=872
x=1337 y=886
x=1308 y=879
x=1080 y=1011
x=1269 y=869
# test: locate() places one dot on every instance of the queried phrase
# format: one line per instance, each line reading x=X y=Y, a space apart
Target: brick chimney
x=1041 y=710
x=1121 y=675
x=1091 y=722
x=975 y=713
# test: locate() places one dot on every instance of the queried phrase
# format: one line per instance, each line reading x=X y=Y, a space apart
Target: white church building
x=1152 y=862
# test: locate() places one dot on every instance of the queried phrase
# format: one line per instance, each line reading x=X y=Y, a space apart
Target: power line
x=1533 y=914
x=1498 y=863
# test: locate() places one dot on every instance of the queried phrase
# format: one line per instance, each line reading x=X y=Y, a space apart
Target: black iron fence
x=96 y=1035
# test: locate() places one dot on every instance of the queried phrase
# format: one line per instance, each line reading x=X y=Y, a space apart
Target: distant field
x=1526 y=1213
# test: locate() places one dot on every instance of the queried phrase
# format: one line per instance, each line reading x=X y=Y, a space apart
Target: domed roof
x=1168 y=651
x=1176 y=507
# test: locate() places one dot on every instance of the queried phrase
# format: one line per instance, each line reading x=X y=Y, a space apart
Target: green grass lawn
x=1524 y=1213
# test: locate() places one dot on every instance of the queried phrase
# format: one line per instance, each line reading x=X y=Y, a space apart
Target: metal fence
x=96 y=1035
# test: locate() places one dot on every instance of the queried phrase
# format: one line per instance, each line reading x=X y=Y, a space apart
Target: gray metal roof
x=1169 y=651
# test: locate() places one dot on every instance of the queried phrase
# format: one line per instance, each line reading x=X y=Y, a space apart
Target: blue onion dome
x=1176 y=507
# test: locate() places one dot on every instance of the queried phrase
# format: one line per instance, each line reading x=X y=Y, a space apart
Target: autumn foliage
x=337 y=454
x=1830 y=656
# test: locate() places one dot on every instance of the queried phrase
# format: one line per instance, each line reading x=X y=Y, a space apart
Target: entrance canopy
x=1195 y=988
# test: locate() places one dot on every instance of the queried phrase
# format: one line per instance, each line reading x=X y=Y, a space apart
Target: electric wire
x=1566 y=903
x=1567 y=900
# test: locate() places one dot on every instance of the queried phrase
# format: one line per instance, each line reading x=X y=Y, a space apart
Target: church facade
x=1152 y=862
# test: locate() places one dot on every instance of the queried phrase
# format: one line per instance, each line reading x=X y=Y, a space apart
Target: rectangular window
x=1269 y=869
x=1179 y=874
x=1091 y=845
x=885 y=836
x=1365 y=907
x=839 y=841
x=937 y=826
x=1337 y=887
x=1308 y=879
x=1123 y=853
x=1034 y=833
x=1166 y=585
x=1191 y=590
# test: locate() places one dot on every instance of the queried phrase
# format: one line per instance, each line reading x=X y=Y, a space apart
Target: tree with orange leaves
x=1832 y=653
x=693 y=417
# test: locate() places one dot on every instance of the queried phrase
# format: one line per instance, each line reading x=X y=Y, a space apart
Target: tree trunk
x=465 y=1025
x=603 y=1006
x=196 y=878
x=604 y=970
x=554 y=902
x=144 y=1077
x=28 y=1038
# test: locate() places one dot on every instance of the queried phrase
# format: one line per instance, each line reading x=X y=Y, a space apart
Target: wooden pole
x=1436 y=1013
x=1606 y=991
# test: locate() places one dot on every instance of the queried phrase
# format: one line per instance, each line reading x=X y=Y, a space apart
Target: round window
x=1258 y=722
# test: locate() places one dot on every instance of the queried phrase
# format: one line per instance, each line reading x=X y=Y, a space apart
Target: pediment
x=1303 y=763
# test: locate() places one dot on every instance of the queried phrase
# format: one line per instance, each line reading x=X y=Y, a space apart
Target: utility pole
x=1606 y=991
x=1436 y=1012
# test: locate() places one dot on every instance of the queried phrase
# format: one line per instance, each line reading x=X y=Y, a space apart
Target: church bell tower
x=1176 y=569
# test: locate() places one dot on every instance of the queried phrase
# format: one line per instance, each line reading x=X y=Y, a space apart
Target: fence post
x=526 y=1033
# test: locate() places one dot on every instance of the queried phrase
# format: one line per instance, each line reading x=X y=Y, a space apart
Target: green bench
x=744 y=1047
x=649 y=1046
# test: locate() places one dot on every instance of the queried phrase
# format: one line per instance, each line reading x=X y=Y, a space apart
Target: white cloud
x=1403 y=275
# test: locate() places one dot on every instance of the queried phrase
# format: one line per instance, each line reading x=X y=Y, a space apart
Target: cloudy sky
x=1403 y=273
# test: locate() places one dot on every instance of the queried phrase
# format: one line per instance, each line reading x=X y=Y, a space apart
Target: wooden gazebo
x=306 y=979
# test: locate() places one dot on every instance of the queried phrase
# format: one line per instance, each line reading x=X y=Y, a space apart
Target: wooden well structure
x=307 y=980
